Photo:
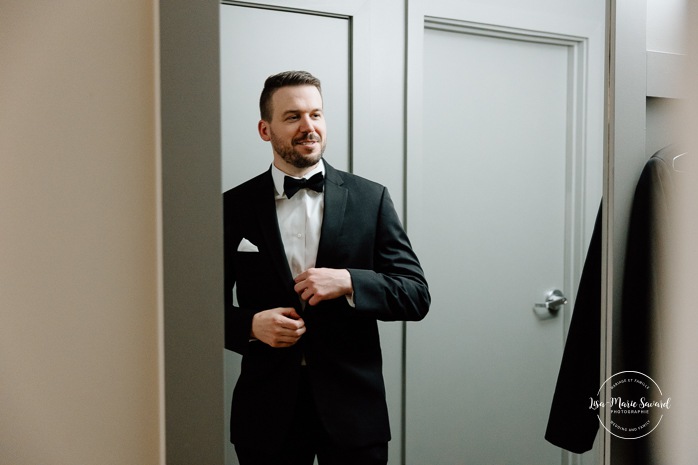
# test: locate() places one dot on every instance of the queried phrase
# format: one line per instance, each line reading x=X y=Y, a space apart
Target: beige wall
x=79 y=338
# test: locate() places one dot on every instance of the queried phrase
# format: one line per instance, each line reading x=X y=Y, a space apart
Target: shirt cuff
x=350 y=300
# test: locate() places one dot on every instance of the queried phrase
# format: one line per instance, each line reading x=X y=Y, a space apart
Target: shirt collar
x=278 y=176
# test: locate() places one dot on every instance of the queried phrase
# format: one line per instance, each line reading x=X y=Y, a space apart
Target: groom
x=316 y=256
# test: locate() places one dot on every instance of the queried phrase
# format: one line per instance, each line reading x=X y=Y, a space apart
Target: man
x=314 y=266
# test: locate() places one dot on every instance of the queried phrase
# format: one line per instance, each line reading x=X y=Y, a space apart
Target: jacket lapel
x=269 y=225
x=333 y=220
x=333 y=216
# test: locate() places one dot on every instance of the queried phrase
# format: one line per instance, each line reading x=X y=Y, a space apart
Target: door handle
x=554 y=300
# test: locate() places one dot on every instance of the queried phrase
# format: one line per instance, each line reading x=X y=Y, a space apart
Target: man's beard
x=295 y=158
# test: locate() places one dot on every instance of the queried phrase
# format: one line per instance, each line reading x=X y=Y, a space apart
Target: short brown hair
x=284 y=79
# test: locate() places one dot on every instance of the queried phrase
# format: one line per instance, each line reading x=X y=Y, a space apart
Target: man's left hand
x=317 y=284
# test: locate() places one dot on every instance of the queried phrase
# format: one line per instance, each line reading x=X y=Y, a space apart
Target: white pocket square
x=247 y=246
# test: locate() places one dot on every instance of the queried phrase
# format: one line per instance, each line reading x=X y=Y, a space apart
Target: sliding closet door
x=501 y=198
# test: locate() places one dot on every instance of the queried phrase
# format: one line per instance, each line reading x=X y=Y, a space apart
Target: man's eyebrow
x=294 y=111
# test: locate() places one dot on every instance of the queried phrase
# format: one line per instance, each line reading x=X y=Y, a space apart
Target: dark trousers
x=307 y=438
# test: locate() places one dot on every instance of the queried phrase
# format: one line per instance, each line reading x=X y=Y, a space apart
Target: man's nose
x=307 y=124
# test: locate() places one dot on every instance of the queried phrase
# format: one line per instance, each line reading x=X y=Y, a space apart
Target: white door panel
x=498 y=208
x=494 y=175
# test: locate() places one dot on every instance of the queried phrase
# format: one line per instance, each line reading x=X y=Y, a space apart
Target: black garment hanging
x=572 y=424
x=639 y=340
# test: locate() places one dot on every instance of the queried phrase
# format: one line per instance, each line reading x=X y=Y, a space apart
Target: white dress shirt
x=300 y=221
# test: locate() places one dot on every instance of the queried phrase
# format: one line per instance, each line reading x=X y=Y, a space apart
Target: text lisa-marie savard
x=636 y=405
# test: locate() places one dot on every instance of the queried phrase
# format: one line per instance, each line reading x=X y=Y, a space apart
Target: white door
x=503 y=185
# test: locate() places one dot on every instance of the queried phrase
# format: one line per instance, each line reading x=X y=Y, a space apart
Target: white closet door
x=498 y=208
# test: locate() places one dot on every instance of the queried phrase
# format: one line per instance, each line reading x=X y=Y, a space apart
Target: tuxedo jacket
x=360 y=232
x=572 y=425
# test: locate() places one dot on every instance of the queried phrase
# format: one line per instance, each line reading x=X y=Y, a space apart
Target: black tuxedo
x=360 y=232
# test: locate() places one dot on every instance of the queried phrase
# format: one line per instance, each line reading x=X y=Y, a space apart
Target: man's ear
x=263 y=128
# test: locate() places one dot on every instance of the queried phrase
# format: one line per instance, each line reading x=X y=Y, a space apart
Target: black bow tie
x=293 y=185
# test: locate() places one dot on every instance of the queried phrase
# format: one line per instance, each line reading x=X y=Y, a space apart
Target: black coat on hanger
x=572 y=424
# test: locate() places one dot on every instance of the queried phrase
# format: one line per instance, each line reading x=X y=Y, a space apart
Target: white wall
x=665 y=31
x=79 y=350
x=666 y=87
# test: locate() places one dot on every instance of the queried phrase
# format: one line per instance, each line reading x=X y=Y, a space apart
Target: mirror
x=485 y=121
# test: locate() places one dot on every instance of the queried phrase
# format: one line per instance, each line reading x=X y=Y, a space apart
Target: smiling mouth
x=307 y=142
x=310 y=139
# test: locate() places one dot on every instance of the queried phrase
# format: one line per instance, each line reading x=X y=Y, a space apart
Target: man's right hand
x=278 y=327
